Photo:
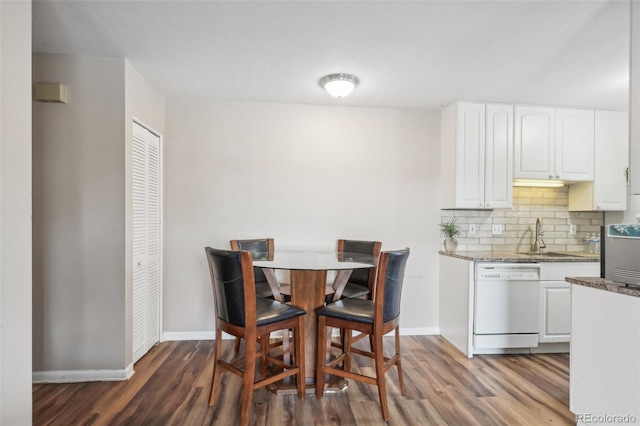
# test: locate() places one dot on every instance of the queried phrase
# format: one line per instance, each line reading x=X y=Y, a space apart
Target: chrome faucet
x=539 y=244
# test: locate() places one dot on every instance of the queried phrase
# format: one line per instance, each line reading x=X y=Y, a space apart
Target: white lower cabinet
x=552 y=301
x=456 y=302
x=555 y=312
x=604 y=375
x=555 y=298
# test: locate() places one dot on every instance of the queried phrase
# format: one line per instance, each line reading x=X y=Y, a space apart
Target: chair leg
x=236 y=346
x=264 y=351
x=320 y=358
x=299 y=357
x=216 y=370
x=380 y=381
x=399 y=362
x=346 y=348
x=286 y=347
x=327 y=342
x=247 y=380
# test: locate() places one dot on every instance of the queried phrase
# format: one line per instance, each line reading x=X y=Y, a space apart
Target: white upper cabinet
x=634 y=101
x=574 y=144
x=476 y=155
x=608 y=191
x=498 y=174
x=534 y=142
x=553 y=143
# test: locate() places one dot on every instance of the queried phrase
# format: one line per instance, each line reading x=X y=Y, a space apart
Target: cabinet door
x=498 y=156
x=574 y=140
x=611 y=160
x=555 y=311
x=470 y=146
x=634 y=101
x=534 y=141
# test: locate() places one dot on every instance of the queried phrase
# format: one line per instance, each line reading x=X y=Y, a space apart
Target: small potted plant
x=450 y=230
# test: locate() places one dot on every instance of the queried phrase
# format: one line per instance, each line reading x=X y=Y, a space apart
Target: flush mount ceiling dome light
x=339 y=85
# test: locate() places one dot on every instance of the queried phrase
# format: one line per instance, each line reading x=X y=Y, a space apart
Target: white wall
x=15 y=213
x=628 y=216
x=305 y=175
x=79 y=216
x=633 y=208
x=82 y=256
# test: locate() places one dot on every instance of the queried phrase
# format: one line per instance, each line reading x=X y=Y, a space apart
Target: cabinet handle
x=550 y=176
x=557 y=176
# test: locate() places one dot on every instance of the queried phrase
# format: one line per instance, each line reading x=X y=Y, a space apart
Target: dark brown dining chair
x=361 y=281
x=240 y=313
x=264 y=248
x=373 y=318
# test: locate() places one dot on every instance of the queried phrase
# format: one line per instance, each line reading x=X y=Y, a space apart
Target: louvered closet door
x=146 y=240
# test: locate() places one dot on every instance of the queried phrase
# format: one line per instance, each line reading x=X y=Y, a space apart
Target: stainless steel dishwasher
x=506 y=305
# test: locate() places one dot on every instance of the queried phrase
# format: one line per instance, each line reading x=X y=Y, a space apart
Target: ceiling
x=415 y=54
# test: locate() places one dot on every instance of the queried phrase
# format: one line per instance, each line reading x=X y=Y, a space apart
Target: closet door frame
x=130 y=194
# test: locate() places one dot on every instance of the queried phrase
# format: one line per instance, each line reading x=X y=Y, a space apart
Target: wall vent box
x=50 y=92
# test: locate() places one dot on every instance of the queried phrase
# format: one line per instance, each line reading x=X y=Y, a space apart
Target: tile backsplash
x=518 y=224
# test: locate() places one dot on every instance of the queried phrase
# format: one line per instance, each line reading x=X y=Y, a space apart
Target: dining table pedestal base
x=333 y=384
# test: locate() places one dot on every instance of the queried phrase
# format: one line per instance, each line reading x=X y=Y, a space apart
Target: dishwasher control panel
x=509 y=272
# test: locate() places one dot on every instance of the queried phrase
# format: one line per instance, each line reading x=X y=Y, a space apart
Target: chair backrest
x=261 y=245
x=363 y=277
x=233 y=285
x=389 y=281
x=257 y=247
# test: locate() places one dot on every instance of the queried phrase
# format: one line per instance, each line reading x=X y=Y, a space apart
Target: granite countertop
x=513 y=257
x=602 y=284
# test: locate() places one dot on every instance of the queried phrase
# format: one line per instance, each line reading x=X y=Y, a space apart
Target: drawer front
x=558 y=271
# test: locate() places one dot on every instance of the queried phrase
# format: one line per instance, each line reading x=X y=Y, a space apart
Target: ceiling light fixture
x=339 y=85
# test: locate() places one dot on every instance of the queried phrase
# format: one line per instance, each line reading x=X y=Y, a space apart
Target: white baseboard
x=192 y=335
x=74 y=376
x=210 y=335
x=552 y=348
x=420 y=331
x=171 y=336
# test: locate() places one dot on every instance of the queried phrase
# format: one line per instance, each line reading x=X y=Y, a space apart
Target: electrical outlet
x=472 y=229
x=496 y=229
x=572 y=230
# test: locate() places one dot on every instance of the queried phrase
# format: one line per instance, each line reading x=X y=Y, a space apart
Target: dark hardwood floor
x=171 y=387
